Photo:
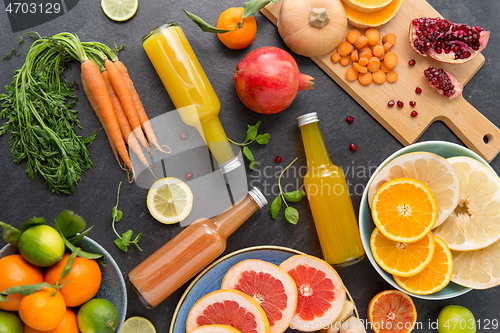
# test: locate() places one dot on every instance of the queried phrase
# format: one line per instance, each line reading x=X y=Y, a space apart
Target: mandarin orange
x=244 y=33
x=42 y=310
x=67 y=325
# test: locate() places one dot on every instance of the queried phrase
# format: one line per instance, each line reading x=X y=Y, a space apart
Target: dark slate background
x=95 y=195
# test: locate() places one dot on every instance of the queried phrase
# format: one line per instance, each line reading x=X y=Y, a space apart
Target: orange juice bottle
x=189 y=252
x=329 y=199
x=189 y=88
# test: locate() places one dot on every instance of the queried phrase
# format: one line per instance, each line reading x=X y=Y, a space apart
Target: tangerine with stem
x=243 y=31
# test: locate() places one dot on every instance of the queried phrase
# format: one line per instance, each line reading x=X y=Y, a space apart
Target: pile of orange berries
x=49 y=309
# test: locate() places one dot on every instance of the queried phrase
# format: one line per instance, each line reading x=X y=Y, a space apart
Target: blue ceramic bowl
x=366 y=225
x=112 y=285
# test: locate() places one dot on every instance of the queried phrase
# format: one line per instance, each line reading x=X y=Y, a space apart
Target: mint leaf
x=248 y=154
x=252 y=132
x=10 y=234
x=276 y=207
x=116 y=214
x=126 y=236
x=252 y=7
x=204 y=25
x=294 y=196
x=119 y=244
x=136 y=241
x=262 y=138
x=291 y=215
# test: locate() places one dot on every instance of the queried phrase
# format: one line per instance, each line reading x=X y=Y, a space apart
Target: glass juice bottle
x=329 y=199
x=189 y=88
x=189 y=252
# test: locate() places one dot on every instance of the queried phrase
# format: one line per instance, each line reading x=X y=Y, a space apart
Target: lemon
x=474 y=223
x=41 y=245
x=10 y=322
x=170 y=200
x=431 y=169
x=119 y=10
x=97 y=316
x=137 y=325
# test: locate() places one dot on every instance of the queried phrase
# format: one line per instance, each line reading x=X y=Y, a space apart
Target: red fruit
x=413 y=103
x=278 y=159
x=183 y=135
x=268 y=79
x=400 y=104
x=443 y=82
x=390 y=103
x=412 y=62
x=418 y=90
x=349 y=119
x=189 y=175
x=446 y=41
x=414 y=113
x=353 y=147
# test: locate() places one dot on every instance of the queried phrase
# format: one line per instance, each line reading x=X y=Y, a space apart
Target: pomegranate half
x=268 y=79
x=443 y=82
x=446 y=41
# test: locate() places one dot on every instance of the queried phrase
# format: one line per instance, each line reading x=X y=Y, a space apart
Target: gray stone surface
x=95 y=195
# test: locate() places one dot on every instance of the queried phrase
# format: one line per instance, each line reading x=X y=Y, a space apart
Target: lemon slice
x=137 y=325
x=431 y=169
x=170 y=200
x=474 y=223
x=119 y=10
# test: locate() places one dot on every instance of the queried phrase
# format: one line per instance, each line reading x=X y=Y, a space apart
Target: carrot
x=97 y=87
x=127 y=133
x=125 y=98
x=141 y=113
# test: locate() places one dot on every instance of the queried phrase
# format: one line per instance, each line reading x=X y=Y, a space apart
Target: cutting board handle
x=474 y=129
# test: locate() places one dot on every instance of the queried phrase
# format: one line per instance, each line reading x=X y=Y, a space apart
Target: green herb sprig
x=252 y=135
x=123 y=241
x=291 y=214
x=251 y=8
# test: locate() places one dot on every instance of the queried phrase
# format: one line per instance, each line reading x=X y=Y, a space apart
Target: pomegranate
x=446 y=41
x=268 y=79
x=443 y=82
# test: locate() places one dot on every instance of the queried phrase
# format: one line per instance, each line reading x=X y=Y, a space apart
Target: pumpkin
x=312 y=27
x=362 y=20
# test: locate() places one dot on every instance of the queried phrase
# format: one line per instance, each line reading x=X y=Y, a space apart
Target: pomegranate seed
x=412 y=62
x=418 y=91
x=353 y=147
x=189 y=175
x=414 y=113
x=400 y=104
x=278 y=159
x=413 y=103
x=391 y=103
x=349 y=119
x=183 y=135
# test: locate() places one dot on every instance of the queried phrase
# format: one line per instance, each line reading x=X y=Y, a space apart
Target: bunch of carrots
x=114 y=99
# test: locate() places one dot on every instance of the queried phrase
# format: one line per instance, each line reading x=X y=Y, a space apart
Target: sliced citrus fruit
x=474 y=223
x=119 y=10
x=435 y=276
x=402 y=259
x=269 y=285
x=321 y=293
x=138 y=324
x=431 y=169
x=404 y=210
x=392 y=311
x=479 y=269
x=170 y=200
x=228 y=307
x=215 y=328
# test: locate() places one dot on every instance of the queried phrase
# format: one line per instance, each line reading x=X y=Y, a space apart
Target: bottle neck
x=230 y=220
x=314 y=145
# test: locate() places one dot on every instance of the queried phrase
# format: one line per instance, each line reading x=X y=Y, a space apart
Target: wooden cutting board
x=475 y=130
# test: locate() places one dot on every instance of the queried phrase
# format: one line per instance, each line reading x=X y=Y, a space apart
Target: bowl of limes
x=409 y=215
x=95 y=295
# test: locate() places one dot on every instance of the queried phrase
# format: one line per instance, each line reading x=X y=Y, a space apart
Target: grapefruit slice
x=228 y=307
x=392 y=311
x=321 y=293
x=215 y=328
x=269 y=285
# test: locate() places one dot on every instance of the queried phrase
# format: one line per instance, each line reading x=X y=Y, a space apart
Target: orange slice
x=435 y=276
x=228 y=307
x=404 y=210
x=269 y=285
x=402 y=259
x=392 y=311
x=321 y=293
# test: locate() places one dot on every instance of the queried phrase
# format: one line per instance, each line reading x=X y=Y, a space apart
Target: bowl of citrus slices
x=264 y=289
x=429 y=221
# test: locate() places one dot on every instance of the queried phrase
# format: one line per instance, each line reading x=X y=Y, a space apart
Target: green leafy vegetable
x=38 y=108
x=252 y=136
x=123 y=241
x=10 y=234
x=291 y=214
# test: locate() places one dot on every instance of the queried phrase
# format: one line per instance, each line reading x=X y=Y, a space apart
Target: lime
x=119 y=10
x=138 y=325
x=41 y=245
x=170 y=200
x=97 y=316
x=10 y=322
x=456 y=319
